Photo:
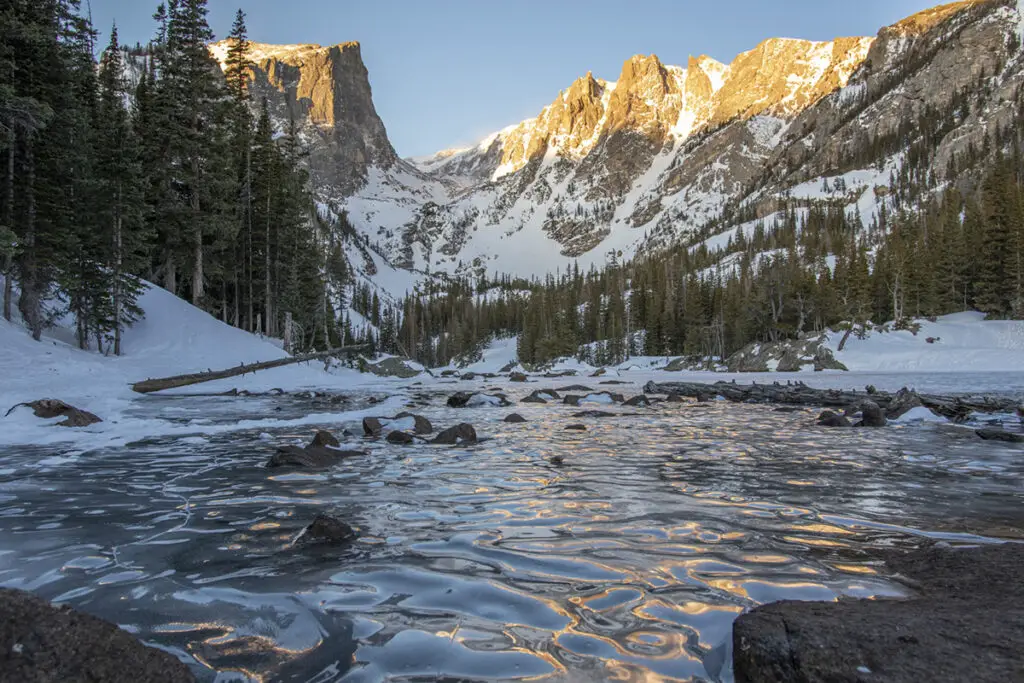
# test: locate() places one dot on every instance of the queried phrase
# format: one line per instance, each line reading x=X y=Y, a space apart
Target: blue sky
x=446 y=73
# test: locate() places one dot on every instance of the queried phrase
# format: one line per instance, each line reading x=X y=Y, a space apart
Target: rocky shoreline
x=966 y=623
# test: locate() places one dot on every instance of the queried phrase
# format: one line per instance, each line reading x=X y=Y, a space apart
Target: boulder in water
x=323 y=438
x=459 y=434
x=327 y=529
x=832 y=419
x=576 y=428
x=517 y=377
x=44 y=643
x=372 y=426
x=533 y=398
x=871 y=415
x=401 y=438
x=993 y=434
x=640 y=401
x=421 y=425
x=515 y=418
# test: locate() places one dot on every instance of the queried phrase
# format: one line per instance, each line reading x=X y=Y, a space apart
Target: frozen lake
x=629 y=561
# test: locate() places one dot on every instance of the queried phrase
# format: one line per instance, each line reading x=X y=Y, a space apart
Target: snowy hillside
x=174 y=338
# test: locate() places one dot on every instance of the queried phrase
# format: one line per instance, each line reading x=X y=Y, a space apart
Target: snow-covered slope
x=174 y=338
x=962 y=342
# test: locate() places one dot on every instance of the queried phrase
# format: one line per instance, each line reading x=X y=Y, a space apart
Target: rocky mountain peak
x=326 y=91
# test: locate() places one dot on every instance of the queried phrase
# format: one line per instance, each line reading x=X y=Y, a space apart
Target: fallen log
x=955 y=407
x=151 y=385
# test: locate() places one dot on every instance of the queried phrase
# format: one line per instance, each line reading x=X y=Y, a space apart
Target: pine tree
x=120 y=190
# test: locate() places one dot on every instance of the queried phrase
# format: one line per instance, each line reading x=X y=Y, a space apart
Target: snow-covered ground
x=174 y=338
x=968 y=354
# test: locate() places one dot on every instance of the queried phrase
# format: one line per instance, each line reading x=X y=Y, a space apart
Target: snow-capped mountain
x=617 y=167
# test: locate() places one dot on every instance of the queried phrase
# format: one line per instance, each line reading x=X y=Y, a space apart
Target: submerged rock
x=459 y=434
x=532 y=398
x=312 y=457
x=49 y=408
x=640 y=401
x=327 y=529
x=575 y=387
x=576 y=428
x=515 y=418
x=871 y=415
x=323 y=438
x=465 y=399
x=43 y=643
x=901 y=404
x=966 y=625
x=829 y=418
x=596 y=414
x=401 y=438
x=372 y=426
x=556 y=460
x=993 y=434
x=421 y=425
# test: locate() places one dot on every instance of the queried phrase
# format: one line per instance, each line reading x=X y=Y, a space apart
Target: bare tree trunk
x=30 y=302
x=248 y=230
x=171 y=274
x=118 y=266
x=266 y=272
x=9 y=222
x=198 y=289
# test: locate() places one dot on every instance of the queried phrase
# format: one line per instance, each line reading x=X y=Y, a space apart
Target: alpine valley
x=658 y=156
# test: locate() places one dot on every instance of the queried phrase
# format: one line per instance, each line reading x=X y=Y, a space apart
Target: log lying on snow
x=955 y=408
x=151 y=385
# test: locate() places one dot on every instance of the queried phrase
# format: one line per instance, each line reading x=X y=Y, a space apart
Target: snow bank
x=964 y=342
x=174 y=338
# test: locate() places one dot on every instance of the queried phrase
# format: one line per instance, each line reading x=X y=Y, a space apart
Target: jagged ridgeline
x=684 y=211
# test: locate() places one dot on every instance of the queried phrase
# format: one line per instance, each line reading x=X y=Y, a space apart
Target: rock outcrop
x=965 y=624
x=43 y=643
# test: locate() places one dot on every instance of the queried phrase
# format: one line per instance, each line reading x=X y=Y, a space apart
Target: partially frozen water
x=628 y=562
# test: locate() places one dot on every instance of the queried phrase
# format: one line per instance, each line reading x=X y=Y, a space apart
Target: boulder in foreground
x=966 y=625
x=43 y=643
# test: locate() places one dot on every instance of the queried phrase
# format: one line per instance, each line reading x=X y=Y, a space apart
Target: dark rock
x=327 y=529
x=556 y=460
x=903 y=402
x=596 y=414
x=703 y=398
x=871 y=390
x=564 y=373
x=576 y=428
x=401 y=438
x=613 y=382
x=49 y=408
x=421 y=425
x=789 y=409
x=515 y=418
x=575 y=387
x=43 y=643
x=638 y=401
x=932 y=340
x=572 y=400
x=323 y=438
x=459 y=434
x=871 y=415
x=600 y=372
x=831 y=419
x=310 y=457
x=517 y=377
x=507 y=367
x=993 y=434
x=468 y=376
x=532 y=398
x=448 y=373
x=463 y=399
x=967 y=624
x=489 y=375
x=372 y=426
x=459 y=399
x=675 y=398
x=393 y=367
